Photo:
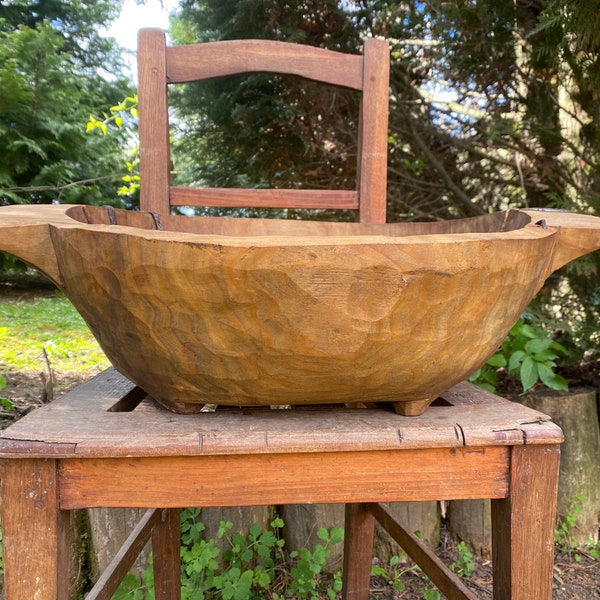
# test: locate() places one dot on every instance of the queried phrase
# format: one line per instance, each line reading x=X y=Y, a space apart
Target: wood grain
x=276 y=198
x=83 y=424
x=524 y=521
x=87 y=467
x=166 y=546
x=359 y=532
x=261 y=479
x=35 y=531
x=444 y=579
x=124 y=559
x=217 y=59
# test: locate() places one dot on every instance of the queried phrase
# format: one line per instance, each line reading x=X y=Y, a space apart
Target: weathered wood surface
x=302 y=521
x=166 y=544
x=474 y=432
x=83 y=423
x=294 y=318
x=445 y=580
x=159 y=65
x=525 y=520
x=421 y=517
x=33 y=525
x=358 y=552
x=471 y=522
x=579 y=482
x=254 y=479
x=125 y=556
x=109 y=528
x=242 y=518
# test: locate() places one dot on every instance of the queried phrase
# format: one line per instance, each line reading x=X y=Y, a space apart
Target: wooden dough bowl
x=249 y=312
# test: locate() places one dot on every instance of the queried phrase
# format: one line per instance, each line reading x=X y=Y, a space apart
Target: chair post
x=358 y=552
x=35 y=531
x=155 y=157
x=525 y=520
x=166 y=544
x=372 y=138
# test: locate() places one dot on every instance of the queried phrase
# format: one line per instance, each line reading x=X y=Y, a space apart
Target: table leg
x=358 y=552
x=523 y=525
x=35 y=531
x=166 y=544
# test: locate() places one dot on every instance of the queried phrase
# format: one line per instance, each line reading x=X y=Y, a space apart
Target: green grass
x=53 y=324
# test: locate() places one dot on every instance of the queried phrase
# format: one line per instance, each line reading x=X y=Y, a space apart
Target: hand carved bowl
x=247 y=312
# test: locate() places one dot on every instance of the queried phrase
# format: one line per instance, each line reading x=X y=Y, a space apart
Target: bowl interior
x=106 y=215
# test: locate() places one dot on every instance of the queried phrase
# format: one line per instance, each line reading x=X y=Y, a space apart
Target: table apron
x=263 y=479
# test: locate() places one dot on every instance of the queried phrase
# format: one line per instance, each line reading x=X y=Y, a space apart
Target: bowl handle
x=577 y=234
x=25 y=232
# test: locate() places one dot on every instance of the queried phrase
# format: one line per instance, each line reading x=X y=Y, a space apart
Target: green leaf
x=262 y=579
x=323 y=534
x=224 y=527
x=378 y=571
x=336 y=535
x=277 y=523
x=544 y=356
x=515 y=360
x=537 y=345
x=551 y=379
x=497 y=360
x=528 y=373
x=254 y=531
x=246 y=555
x=527 y=331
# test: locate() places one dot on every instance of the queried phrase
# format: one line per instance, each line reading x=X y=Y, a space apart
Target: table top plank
x=80 y=423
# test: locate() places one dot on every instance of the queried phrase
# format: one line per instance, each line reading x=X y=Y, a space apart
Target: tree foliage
x=268 y=130
x=51 y=79
x=76 y=22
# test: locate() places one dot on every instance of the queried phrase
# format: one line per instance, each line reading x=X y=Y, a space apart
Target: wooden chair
x=160 y=65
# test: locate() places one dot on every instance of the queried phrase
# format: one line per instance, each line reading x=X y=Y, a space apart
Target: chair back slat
x=267 y=198
x=231 y=57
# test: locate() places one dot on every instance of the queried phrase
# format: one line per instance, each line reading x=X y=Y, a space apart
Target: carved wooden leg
x=412 y=408
x=358 y=552
x=523 y=525
x=166 y=542
x=35 y=531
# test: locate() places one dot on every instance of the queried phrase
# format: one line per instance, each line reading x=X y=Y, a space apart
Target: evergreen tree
x=53 y=69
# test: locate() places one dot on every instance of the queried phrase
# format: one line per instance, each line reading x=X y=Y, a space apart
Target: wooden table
x=105 y=444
